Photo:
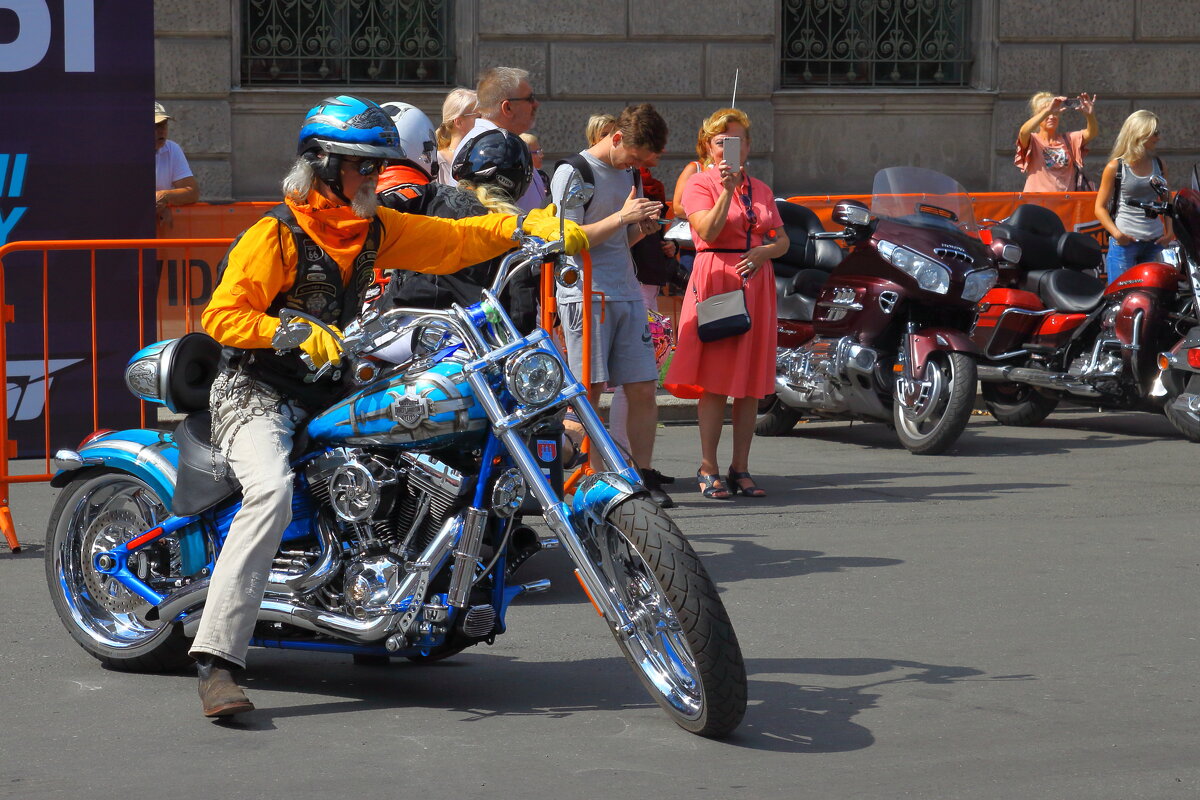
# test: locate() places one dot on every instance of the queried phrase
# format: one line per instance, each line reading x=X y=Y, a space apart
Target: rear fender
x=920 y=344
x=149 y=455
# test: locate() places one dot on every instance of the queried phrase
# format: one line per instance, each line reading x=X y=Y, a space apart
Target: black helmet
x=495 y=158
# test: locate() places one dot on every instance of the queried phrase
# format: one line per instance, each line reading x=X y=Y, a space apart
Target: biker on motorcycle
x=315 y=252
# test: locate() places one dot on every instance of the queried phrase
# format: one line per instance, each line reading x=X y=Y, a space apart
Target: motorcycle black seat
x=805 y=253
x=796 y=295
x=195 y=488
x=1039 y=233
x=1066 y=289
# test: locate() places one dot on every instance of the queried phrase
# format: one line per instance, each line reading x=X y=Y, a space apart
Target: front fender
x=599 y=493
x=922 y=343
x=149 y=455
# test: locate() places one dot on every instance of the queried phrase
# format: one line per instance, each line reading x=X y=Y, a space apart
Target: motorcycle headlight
x=534 y=377
x=978 y=283
x=931 y=276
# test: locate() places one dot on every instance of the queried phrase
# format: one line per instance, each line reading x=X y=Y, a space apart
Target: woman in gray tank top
x=1134 y=173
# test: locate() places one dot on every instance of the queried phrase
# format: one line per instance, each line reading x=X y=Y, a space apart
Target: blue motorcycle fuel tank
x=417 y=408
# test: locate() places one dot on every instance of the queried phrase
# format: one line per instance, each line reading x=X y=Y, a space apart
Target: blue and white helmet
x=418 y=136
x=352 y=126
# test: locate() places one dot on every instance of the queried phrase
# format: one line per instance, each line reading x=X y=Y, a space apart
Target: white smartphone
x=733 y=153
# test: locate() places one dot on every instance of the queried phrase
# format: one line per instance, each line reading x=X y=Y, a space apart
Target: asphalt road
x=1014 y=620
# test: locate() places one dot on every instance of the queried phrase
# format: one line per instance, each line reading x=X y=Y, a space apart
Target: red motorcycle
x=1054 y=332
x=884 y=336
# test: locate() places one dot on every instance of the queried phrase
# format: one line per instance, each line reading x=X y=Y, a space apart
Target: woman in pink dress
x=737 y=231
x=1048 y=156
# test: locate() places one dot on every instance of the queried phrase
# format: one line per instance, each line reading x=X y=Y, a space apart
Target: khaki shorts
x=621 y=348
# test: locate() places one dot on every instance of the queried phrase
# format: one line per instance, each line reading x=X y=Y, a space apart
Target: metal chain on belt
x=240 y=390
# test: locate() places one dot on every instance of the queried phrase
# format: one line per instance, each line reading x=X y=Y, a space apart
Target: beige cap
x=160 y=113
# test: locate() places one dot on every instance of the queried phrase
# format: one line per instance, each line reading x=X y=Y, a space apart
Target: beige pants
x=253 y=427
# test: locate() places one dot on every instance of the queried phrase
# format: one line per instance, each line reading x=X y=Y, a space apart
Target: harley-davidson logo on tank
x=419 y=408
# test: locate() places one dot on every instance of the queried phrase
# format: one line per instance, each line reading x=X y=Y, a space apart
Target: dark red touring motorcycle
x=884 y=336
x=1053 y=332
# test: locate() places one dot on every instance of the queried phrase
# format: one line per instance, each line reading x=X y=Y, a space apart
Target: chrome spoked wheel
x=930 y=414
x=94 y=515
x=654 y=638
x=678 y=639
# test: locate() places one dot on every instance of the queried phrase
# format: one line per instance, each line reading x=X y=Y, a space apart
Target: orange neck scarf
x=333 y=226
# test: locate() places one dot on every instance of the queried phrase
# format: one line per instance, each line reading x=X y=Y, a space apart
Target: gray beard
x=365 y=203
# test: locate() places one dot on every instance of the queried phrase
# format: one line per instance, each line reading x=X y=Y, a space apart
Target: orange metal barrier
x=91 y=247
x=1076 y=209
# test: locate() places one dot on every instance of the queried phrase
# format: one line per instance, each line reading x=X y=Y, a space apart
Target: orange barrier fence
x=76 y=409
x=1075 y=209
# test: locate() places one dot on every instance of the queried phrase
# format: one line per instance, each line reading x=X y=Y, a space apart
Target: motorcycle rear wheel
x=939 y=419
x=94 y=513
x=775 y=418
x=1016 y=404
x=680 y=643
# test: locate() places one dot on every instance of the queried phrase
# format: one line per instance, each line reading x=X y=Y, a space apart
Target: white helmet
x=418 y=136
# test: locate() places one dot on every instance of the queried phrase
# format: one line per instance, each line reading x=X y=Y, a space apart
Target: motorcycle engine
x=388 y=508
x=369 y=582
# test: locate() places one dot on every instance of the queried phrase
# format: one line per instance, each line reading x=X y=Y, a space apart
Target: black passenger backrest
x=1037 y=219
x=1037 y=230
x=805 y=253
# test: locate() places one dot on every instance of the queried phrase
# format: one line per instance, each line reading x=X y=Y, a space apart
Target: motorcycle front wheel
x=93 y=514
x=943 y=407
x=680 y=641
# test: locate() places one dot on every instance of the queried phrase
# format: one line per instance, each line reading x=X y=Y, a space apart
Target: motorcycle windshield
x=922 y=197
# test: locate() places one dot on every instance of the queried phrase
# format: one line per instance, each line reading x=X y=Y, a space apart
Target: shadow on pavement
x=747 y=560
x=788 y=710
x=807 y=718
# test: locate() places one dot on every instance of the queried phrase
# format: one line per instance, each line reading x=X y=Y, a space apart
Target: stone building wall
x=681 y=56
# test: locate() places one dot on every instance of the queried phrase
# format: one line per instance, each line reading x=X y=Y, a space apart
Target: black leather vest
x=317 y=290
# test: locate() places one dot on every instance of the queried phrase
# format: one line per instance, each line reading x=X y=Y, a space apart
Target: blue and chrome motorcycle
x=406 y=516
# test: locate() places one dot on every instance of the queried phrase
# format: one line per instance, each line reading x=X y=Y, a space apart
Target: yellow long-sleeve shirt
x=263 y=265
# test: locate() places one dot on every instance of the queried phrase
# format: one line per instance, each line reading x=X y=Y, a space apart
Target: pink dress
x=1050 y=169
x=739 y=366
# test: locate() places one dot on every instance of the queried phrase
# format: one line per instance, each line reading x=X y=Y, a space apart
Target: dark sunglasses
x=748 y=204
x=366 y=166
x=531 y=99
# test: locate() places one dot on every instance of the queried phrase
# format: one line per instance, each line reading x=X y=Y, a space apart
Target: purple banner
x=76 y=162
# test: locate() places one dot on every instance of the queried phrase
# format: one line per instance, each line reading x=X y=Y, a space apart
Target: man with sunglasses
x=315 y=252
x=506 y=100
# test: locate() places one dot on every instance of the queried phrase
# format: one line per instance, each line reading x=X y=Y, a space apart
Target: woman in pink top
x=1046 y=155
x=737 y=231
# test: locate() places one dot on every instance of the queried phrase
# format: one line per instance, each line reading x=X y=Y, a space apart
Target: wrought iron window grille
x=868 y=43
x=319 y=42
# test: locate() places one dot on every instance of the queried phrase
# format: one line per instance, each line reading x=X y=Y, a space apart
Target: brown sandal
x=712 y=487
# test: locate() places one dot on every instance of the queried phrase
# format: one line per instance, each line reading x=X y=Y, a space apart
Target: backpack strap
x=1114 y=202
x=581 y=164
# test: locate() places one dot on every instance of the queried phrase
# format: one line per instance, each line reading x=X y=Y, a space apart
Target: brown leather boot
x=220 y=695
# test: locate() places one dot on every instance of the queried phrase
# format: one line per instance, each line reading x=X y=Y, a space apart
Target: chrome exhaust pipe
x=194 y=594
x=1036 y=377
x=284 y=607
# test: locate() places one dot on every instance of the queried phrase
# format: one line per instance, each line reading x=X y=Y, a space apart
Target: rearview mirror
x=851 y=213
x=578 y=193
